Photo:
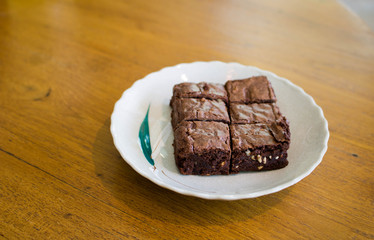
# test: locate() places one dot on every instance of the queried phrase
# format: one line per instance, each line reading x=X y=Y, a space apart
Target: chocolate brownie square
x=202 y=148
x=258 y=147
x=254 y=113
x=200 y=90
x=251 y=90
x=199 y=109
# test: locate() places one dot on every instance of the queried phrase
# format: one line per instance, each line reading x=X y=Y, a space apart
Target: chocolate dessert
x=202 y=148
x=199 y=109
x=250 y=90
x=200 y=90
x=231 y=129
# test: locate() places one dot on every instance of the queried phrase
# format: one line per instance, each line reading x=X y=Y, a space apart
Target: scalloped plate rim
x=222 y=196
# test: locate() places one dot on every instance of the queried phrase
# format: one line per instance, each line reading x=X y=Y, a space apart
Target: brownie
x=258 y=147
x=254 y=113
x=200 y=90
x=228 y=129
x=251 y=90
x=202 y=148
x=199 y=109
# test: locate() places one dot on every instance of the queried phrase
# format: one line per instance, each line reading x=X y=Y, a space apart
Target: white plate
x=309 y=132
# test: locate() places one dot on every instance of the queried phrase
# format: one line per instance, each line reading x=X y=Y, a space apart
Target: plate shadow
x=130 y=192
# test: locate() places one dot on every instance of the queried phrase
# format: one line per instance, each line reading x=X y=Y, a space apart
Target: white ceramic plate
x=309 y=132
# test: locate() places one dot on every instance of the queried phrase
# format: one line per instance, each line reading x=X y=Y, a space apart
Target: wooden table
x=63 y=65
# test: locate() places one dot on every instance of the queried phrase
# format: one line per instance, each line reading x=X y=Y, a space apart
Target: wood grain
x=63 y=65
